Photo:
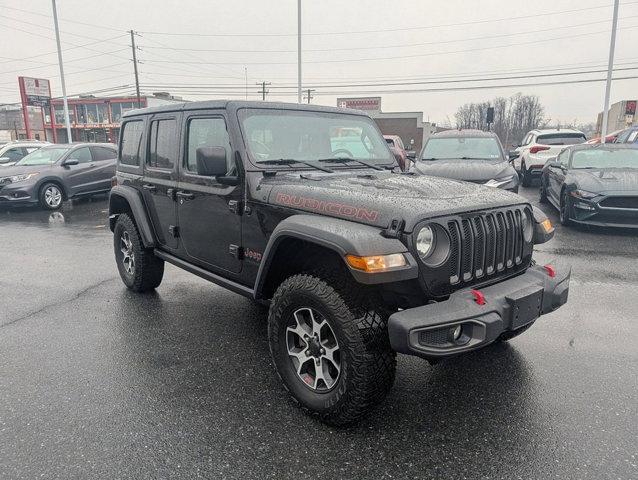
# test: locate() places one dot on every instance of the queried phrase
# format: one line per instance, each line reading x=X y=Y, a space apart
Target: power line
x=378 y=47
x=403 y=29
x=95 y=25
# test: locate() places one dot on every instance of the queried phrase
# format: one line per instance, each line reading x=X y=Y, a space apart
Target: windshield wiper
x=346 y=160
x=292 y=161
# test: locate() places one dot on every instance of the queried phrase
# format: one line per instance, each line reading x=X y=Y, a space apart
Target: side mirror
x=211 y=161
x=4 y=160
x=70 y=161
x=513 y=155
x=411 y=154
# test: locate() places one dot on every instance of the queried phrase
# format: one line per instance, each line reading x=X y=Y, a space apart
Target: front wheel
x=50 y=196
x=526 y=178
x=140 y=270
x=543 y=190
x=565 y=209
x=331 y=351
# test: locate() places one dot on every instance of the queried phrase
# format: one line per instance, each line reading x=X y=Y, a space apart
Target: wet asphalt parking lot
x=98 y=382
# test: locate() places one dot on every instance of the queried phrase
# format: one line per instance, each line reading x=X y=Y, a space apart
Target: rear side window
x=103 y=153
x=82 y=155
x=130 y=143
x=207 y=132
x=163 y=144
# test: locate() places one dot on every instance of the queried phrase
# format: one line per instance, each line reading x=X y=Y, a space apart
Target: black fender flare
x=343 y=237
x=134 y=200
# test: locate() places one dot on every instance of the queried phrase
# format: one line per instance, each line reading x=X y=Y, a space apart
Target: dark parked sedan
x=593 y=184
x=469 y=155
x=56 y=173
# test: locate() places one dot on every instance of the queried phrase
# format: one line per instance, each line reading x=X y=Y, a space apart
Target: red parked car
x=396 y=145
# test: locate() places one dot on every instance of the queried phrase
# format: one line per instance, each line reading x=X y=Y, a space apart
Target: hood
x=20 y=169
x=468 y=170
x=380 y=197
x=606 y=180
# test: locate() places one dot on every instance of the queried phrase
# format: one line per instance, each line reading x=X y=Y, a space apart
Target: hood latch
x=395 y=229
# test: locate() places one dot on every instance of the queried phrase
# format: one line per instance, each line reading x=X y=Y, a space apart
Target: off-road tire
x=526 y=179
x=542 y=190
x=514 y=333
x=148 y=269
x=42 y=196
x=359 y=323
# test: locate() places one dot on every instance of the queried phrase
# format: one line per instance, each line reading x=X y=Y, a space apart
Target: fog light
x=456 y=332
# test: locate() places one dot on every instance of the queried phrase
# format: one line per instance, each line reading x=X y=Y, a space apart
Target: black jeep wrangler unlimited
x=304 y=209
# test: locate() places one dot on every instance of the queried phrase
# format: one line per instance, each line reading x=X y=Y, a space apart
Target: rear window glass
x=131 y=141
x=561 y=139
x=163 y=144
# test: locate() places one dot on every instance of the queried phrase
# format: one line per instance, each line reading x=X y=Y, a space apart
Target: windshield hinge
x=395 y=229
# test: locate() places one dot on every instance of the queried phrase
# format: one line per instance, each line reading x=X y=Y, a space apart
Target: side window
x=563 y=158
x=14 y=154
x=633 y=137
x=31 y=149
x=103 y=153
x=162 y=144
x=82 y=155
x=207 y=132
x=131 y=140
x=527 y=140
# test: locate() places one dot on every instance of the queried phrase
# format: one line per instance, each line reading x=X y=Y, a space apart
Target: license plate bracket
x=525 y=306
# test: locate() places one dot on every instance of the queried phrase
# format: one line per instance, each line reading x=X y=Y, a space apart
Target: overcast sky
x=347 y=42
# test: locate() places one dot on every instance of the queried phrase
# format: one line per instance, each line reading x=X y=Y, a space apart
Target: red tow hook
x=551 y=271
x=479 y=298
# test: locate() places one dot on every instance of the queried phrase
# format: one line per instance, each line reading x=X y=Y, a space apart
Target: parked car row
x=54 y=173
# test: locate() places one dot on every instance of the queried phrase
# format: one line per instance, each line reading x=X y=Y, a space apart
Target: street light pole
x=610 y=67
x=64 y=99
x=299 y=99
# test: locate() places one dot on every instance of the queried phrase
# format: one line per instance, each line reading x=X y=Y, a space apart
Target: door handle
x=185 y=195
x=149 y=187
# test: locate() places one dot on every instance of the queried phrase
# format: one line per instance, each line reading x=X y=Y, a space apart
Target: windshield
x=479 y=148
x=622 y=158
x=561 y=139
x=43 y=156
x=312 y=136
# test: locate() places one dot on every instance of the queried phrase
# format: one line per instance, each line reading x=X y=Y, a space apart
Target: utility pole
x=610 y=67
x=62 y=82
x=137 y=78
x=299 y=52
x=309 y=94
x=263 y=90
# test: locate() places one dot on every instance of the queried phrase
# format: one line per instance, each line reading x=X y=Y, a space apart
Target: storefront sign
x=360 y=103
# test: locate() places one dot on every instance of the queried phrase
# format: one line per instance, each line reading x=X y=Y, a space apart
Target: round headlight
x=425 y=242
x=528 y=226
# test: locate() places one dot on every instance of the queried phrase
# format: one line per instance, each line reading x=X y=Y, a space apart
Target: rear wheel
x=139 y=269
x=330 y=347
x=50 y=196
x=565 y=209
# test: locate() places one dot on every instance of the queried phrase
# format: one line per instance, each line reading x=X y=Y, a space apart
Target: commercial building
x=621 y=115
x=96 y=119
x=12 y=123
x=407 y=125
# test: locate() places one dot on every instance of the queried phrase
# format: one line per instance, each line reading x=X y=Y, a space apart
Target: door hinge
x=173 y=230
x=233 y=206
x=236 y=251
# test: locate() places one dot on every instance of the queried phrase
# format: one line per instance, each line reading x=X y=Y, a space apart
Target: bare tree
x=513 y=116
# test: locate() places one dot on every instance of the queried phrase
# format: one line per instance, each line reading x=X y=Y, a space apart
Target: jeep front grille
x=483 y=246
x=486 y=243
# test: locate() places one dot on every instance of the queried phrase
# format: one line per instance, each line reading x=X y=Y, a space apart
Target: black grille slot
x=455 y=246
x=620 y=202
x=490 y=244
x=479 y=247
x=434 y=337
x=500 y=242
x=509 y=252
x=518 y=232
x=467 y=251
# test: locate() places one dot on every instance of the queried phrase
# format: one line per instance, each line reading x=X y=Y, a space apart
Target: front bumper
x=17 y=194
x=594 y=212
x=426 y=331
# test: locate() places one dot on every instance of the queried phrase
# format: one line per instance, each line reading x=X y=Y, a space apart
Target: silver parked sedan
x=56 y=173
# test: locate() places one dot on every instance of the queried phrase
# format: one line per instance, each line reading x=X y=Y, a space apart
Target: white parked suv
x=12 y=152
x=540 y=145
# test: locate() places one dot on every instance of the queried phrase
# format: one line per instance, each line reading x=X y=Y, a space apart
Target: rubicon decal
x=327 y=207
